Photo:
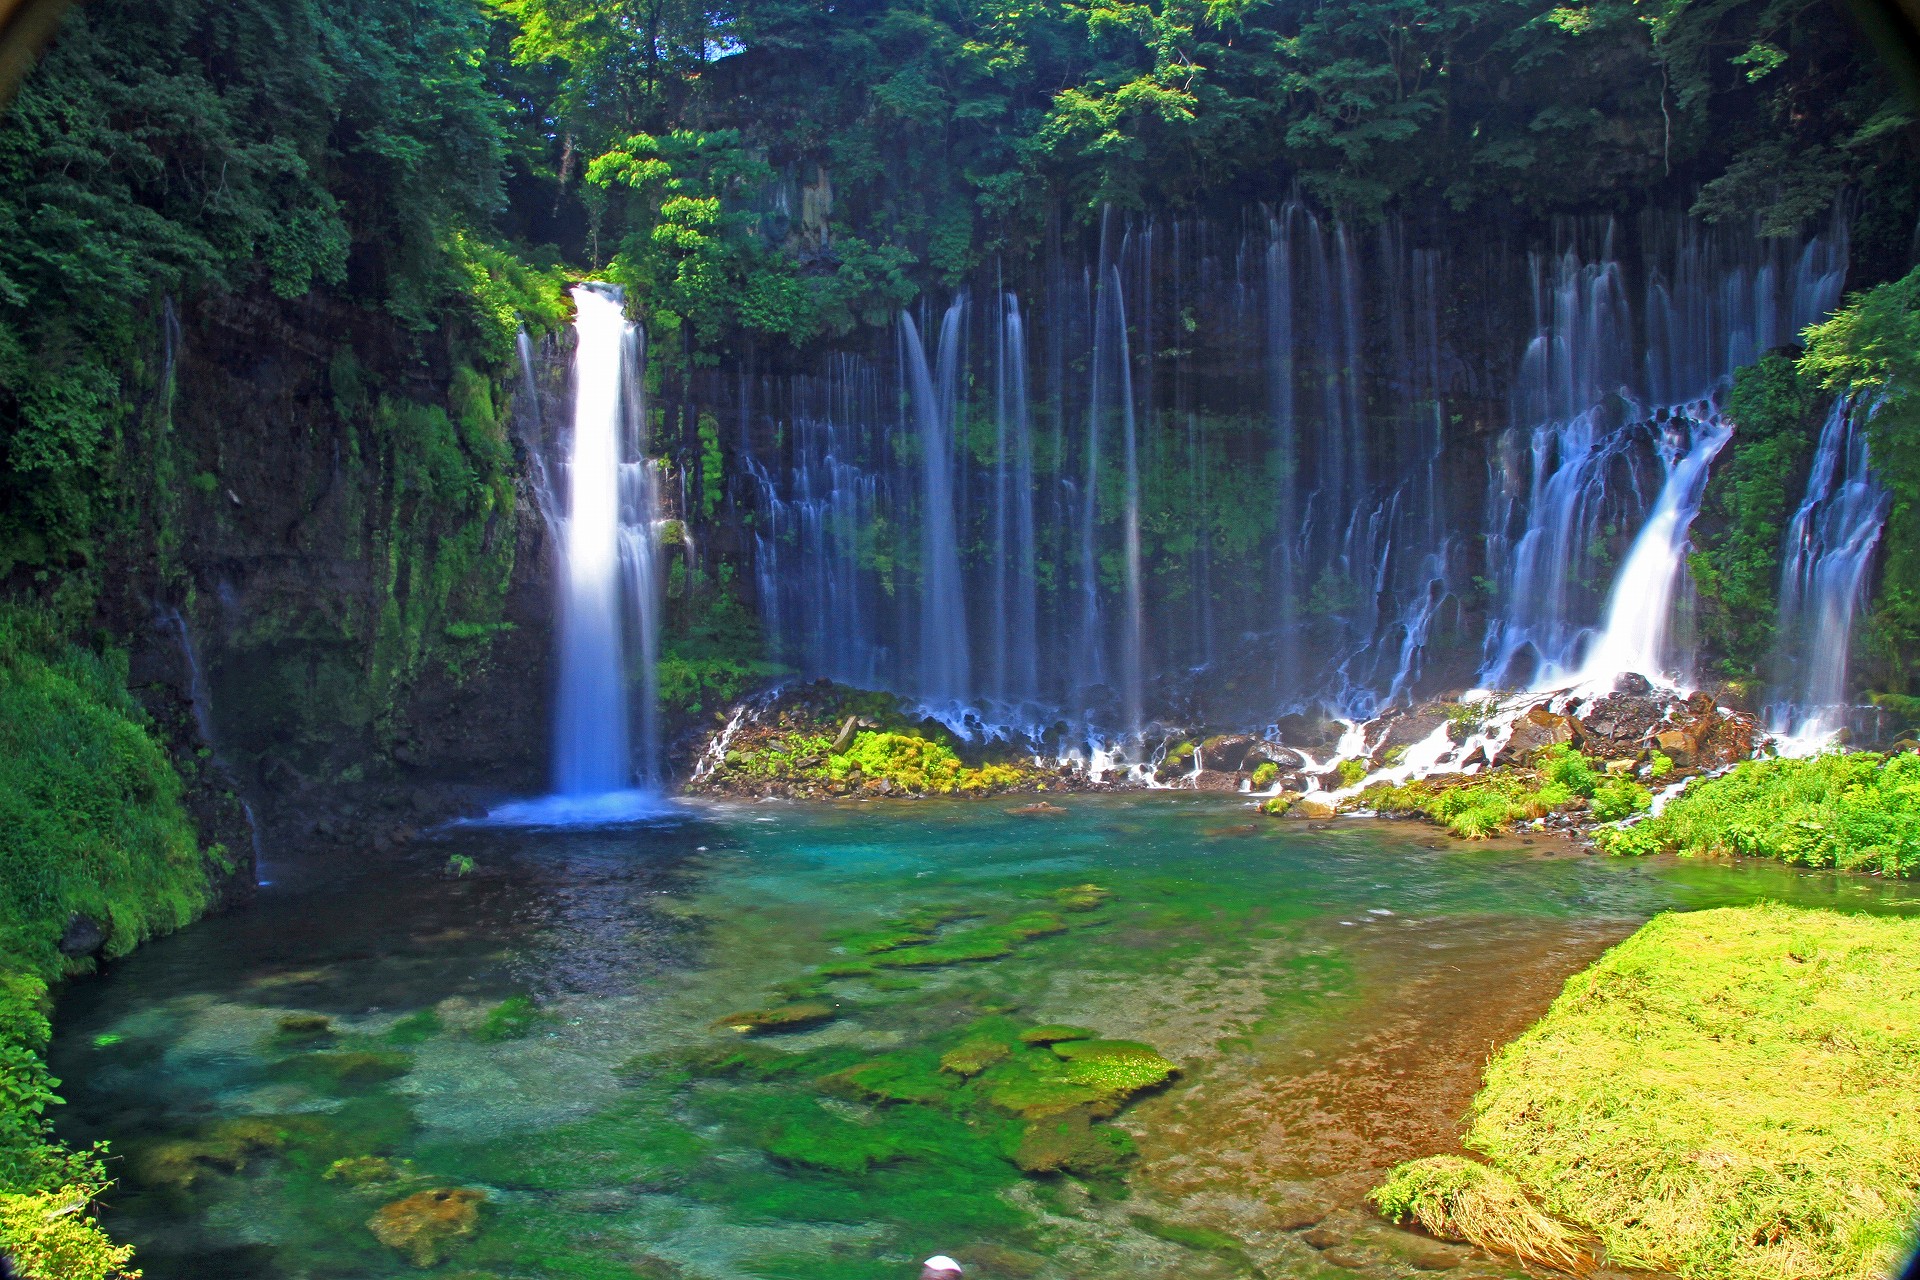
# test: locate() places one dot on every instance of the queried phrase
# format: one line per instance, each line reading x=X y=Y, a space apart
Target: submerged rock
x=781 y=1017
x=1038 y=809
x=427 y=1225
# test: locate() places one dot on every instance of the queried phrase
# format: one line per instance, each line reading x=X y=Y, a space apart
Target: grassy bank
x=91 y=826
x=1727 y=1093
x=1857 y=812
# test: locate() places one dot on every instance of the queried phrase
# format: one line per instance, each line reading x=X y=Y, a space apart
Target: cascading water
x=1598 y=419
x=592 y=753
x=1080 y=526
x=945 y=670
x=605 y=734
x=1828 y=549
x=1633 y=634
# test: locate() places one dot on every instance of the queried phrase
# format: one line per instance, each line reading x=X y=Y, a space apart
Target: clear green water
x=1329 y=992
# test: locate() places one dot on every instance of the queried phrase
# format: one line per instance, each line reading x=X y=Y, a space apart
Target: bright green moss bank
x=91 y=823
x=1727 y=1093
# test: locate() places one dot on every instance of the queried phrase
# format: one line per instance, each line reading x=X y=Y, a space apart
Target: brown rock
x=1038 y=809
x=1325 y=1237
x=1216 y=780
x=1295 y=1215
x=1677 y=745
x=1537 y=729
x=1227 y=752
x=1314 y=808
x=1347 y=1256
x=428 y=1224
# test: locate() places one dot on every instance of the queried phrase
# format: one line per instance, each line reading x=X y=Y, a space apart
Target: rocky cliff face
x=344 y=601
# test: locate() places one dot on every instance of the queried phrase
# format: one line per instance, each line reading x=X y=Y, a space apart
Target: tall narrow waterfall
x=944 y=664
x=608 y=585
x=1828 y=549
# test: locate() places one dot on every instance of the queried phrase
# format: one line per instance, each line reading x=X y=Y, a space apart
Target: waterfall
x=1829 y=547
x=1210 y=472
x=1602 y=412
x=609 y=582
x=945 y=668
x=1017 y=641
x=1633 y=632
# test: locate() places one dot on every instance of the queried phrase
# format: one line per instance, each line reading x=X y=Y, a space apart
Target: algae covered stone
x=973 y=1057
x=1118 y=1069
x=781 y=1017
x=1054 y=1032
x=427 y=1225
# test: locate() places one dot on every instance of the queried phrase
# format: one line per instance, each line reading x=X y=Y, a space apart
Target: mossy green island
x=1158 y=639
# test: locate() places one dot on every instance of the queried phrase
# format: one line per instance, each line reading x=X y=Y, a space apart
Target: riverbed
x=530 y=1040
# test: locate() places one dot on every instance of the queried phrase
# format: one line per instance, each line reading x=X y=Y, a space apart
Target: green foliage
x=1749 y=498
x=169 y=146
x=1725 y=1093
x=712 y=652
x=1857 y=812
x=91 y=821
x=1490 y=803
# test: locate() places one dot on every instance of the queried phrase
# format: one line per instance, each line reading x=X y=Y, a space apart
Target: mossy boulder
x=179 y=1164
x=796 y=1016
x=428 y=1225
x=894 y=1078
x=973 y=1057
x=1070 y=1142
x=300 y=1028
x=1080 y=897
x=368 y=1171
x=1118 y=1069
x=1054 y=1032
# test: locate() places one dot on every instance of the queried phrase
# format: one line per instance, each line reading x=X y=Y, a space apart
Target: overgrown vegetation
x=1482 y=805
x=1725 y=1093
x=91 y=826
x=1744 y=512
x=1856 y=812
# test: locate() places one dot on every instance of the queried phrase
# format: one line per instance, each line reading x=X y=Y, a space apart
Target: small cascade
x=1633 y=632
x=1829 y=547
x=945 y=668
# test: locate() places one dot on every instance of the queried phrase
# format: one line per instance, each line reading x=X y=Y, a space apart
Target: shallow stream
x=533 y=1069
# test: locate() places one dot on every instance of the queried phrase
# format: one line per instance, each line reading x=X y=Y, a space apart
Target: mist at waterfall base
x=606 y=755
x=990 y=523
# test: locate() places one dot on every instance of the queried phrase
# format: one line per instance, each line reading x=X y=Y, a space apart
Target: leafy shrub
x=1858 y=812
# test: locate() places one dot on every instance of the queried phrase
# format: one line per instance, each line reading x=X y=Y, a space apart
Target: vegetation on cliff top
x=91 y=826
x=1725 y=1093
